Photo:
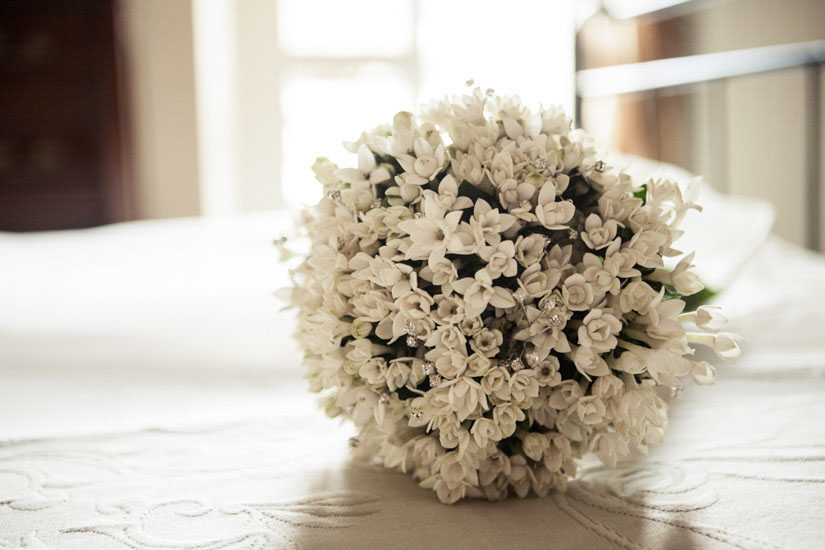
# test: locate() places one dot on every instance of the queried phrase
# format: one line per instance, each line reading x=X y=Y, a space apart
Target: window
x=341 y=67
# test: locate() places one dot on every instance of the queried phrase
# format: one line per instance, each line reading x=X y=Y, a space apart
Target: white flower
x=725 y=344
x=703 y=373
x=598 y=233
x=707 y=318
x=373 y=305
x=683 y=281
x=644 y=247
x=512 y=194
x=361 y=327
x=488 y=224
x=590 y=409
x=487 y=342
x=537 y=283
x=449 y=310
x=534 y=444
x=529 y=249
x=479 y=292
x=523 y=385
x=598 y=330
x=636 y=296
x=439 y=272
x=465 y=396
x=447 y=197
x=547 y=372
x=496 y=382
x=577 y=292
x=415 y=304
x=553 y=214
x=589 y=362
x=500 y=259
x=433 y=235
x=449 y=363
x=506 y=416
x=454 y=471
x=555 y=121
x=603 y=275
x=468 y=168
x=485 y=430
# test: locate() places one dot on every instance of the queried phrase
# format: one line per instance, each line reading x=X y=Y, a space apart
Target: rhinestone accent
x=541 y=164
x=550 y=304
x=384 y=399
x=429 y=368
x=340 y=243
x=573 y=234
x=532 y=358
x=516 y=364
x=412 y=341
x=520 y=295
x=489 y=92
x=416 y=414
x=354 y=442
x=599 y=166
x=435 y=380
x=556 y=321
x=334 y=194
x=409 y=327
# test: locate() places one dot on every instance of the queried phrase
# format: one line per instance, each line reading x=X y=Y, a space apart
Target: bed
x=150 y=397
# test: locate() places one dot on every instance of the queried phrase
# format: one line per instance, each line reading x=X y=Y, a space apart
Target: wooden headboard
x=732 y=90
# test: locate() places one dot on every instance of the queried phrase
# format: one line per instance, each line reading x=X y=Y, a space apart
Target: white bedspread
x=150 y=398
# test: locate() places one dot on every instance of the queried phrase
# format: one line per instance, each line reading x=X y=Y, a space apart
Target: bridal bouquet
x=486 y=299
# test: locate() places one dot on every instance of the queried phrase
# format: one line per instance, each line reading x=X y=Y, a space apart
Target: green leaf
x=700 y=298
x=642 y=193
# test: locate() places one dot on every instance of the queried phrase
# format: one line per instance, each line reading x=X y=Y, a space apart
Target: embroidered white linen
x=150 y=398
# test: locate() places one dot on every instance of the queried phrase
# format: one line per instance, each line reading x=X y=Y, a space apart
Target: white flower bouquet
x=486 y=299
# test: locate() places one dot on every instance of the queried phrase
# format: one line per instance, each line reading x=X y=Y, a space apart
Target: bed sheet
x=119 y=435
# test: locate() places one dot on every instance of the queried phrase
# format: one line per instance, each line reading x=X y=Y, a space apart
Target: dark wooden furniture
x=62 y=137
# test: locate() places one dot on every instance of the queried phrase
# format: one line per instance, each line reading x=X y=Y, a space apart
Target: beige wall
x=160 y=58
x=206 y=113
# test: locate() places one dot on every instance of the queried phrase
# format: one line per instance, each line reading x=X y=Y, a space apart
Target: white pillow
x=724 y=235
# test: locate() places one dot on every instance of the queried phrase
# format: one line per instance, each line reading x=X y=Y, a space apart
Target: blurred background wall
x=158 y=63
x=753 y=134
x=129 y=109
x=222 y=105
